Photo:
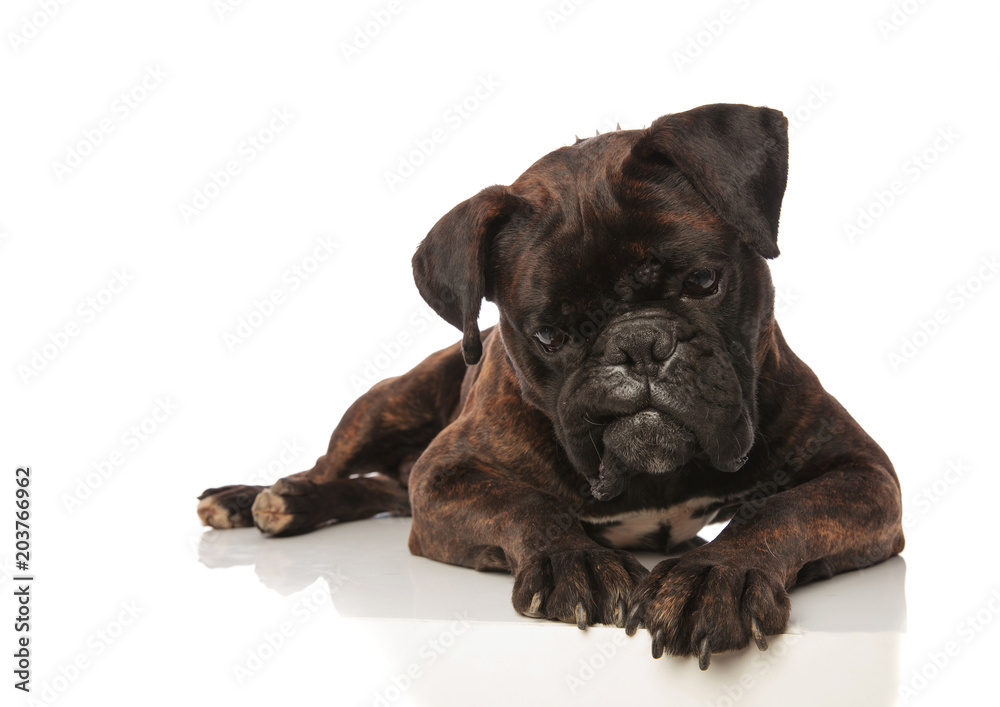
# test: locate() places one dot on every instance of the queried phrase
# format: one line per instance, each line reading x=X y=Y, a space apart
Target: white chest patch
x=683 y=519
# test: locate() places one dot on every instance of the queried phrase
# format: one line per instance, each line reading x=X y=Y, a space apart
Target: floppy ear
x=450 y=265
x=736 y=156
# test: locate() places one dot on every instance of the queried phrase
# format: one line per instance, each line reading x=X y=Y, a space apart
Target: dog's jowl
x=636 y=388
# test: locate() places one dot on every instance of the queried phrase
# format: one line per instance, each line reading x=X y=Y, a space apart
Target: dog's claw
x=536 y=605
x=633 y=621
x=620 y=614
x=758 y=634
x=705 y=657
x=658 y=644
x=581 y=617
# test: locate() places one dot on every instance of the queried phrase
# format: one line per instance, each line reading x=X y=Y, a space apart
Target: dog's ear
x=451 y=264
x=736 y=156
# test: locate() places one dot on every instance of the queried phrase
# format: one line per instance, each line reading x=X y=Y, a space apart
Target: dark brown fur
x=475 y=454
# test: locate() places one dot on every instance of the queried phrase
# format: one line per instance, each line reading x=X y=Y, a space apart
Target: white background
x=866 y=97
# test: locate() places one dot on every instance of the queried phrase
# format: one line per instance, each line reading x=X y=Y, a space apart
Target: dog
x=636 y=388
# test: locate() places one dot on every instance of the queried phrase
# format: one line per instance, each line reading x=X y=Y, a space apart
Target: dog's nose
x=644 y=345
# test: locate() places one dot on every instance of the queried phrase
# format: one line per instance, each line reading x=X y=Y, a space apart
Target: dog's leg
x=494 y=491
x=228 y=506
x=365 y=469
x=467 y=513
x=719 y=596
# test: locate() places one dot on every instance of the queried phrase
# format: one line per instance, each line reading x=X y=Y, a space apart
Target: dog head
x=630 y=275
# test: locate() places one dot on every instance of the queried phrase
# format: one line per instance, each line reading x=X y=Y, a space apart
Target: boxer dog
x=636 y=388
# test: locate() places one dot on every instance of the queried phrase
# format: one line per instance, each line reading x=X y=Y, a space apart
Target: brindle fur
x=495 y=479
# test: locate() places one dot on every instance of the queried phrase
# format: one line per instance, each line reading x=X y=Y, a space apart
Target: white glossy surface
x=453 y=626
x=864 y=104
x=373 y=575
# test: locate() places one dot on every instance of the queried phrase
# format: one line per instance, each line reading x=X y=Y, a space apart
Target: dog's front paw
x=703 y=603
x=228 y=506
x=582 y=587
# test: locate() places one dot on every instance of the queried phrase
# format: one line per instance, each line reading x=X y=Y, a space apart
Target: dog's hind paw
x=286 y=508
x=228 y=506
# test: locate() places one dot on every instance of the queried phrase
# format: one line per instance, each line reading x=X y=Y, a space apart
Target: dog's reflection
x=850 y=625
x=371 y=573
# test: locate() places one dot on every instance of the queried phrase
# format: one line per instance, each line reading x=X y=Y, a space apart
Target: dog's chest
x=656 y=529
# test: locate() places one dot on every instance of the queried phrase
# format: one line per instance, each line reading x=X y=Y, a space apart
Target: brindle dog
x=636 y=388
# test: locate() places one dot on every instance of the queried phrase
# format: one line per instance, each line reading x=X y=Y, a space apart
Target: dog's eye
x=701 y=283
x=550 y=338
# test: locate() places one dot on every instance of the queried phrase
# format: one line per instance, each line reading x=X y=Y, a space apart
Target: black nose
x=642 y=345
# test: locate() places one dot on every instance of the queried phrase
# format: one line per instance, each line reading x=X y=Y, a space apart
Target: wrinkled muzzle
x=650 y=401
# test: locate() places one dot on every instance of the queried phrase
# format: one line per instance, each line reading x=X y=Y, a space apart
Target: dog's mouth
x=616 y=425
x=649 y=441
